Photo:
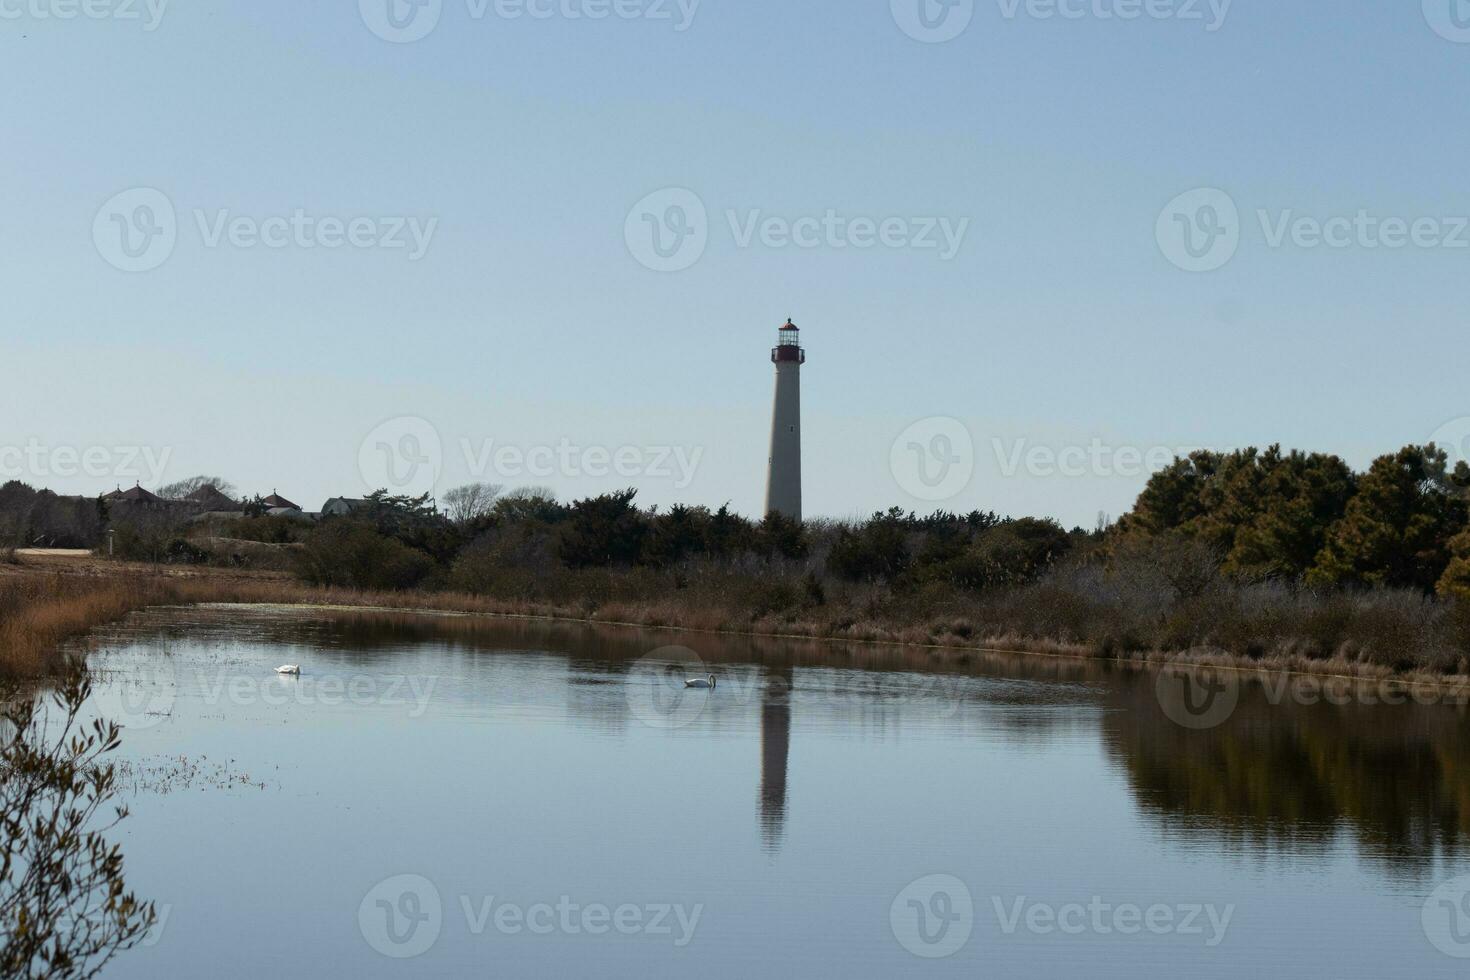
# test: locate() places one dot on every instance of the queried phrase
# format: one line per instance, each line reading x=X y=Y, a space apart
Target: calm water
x=522 y=799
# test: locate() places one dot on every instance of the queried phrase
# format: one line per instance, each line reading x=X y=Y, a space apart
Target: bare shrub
x=65 y=910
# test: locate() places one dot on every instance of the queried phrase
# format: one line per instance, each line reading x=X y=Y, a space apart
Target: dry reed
x=41 y=611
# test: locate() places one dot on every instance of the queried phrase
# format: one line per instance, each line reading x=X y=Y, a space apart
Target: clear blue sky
x=529 y=321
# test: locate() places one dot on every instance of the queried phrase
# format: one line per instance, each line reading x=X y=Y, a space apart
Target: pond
x=452 y=796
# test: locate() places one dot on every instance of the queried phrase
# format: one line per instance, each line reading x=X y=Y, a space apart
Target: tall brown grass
x=1076 y=612
x=39 y=613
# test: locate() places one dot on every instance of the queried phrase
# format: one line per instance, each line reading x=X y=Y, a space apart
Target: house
x=135 y=495
x=276 y=502
x=343 y=506
x=208 y=498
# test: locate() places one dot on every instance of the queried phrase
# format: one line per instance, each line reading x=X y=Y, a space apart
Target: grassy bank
x=1262 y=559
x=39 y=612
x=44 y=605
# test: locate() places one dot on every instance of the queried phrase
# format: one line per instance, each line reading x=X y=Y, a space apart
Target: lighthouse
x=783 y=482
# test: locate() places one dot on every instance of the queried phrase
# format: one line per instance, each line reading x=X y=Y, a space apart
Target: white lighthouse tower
x=783 y=483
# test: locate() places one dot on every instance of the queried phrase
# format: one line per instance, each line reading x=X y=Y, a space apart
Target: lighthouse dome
x=788 y=344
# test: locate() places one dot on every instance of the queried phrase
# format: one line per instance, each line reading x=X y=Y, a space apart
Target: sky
x=1034 y=248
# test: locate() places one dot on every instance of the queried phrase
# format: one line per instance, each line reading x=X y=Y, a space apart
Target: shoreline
x=122 y=588
x=1453 y=683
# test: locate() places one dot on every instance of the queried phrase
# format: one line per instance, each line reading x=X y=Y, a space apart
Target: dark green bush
x=346 y=553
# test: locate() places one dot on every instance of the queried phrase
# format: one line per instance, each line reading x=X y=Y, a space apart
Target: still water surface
x=530 y=799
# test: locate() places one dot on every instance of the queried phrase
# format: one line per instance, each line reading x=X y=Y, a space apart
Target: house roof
x=276 y=500
x=352 y=503
x=210 y=497
x=134 y=495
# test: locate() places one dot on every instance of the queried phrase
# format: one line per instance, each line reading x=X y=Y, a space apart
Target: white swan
x=288 y=669
x=702 y=683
